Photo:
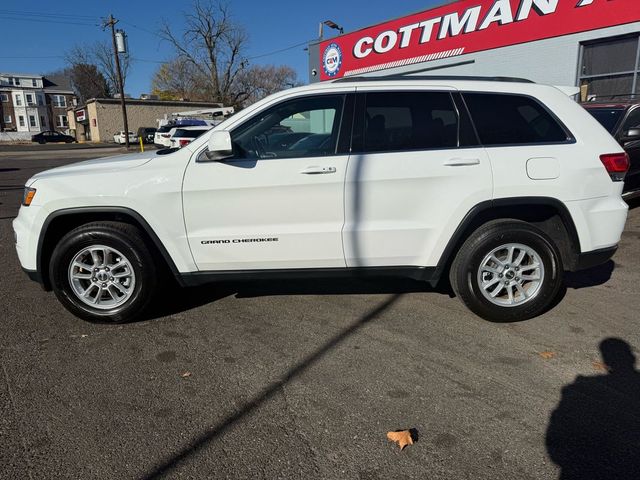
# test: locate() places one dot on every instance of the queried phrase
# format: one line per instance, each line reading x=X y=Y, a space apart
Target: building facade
x=101 y=118
x=31 y=104
x=591 y=44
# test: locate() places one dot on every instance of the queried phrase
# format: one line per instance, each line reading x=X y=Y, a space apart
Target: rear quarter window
x=504 y=119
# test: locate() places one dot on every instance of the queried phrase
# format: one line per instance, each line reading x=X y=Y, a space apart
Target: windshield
x=608 y=117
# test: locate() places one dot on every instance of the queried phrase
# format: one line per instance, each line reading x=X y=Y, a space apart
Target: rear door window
x=503 y=119
x=398 y=121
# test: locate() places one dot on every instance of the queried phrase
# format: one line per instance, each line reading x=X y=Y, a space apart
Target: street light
x=330 y=24
x=334 y=25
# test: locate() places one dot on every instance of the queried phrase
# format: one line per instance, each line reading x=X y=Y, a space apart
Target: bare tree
x=104 y=59
x=99 y=54
x=213 y=44
x=260 y=81
x=178 y=79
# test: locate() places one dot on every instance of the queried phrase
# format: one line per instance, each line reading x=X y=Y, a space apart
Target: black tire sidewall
x=481 y=245
x=139 y=257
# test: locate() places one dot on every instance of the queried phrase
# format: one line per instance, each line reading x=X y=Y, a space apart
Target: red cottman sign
x=466 y=26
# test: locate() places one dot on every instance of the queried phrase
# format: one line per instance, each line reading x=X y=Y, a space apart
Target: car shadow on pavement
x=594 y=432
x=590 y=278
x=168 y=303
x=165 y=467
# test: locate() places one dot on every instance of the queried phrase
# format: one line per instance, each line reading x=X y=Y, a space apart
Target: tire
x=118 y=277
x=476 y=277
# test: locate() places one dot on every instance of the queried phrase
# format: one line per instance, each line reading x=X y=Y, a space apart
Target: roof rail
x=432 y=77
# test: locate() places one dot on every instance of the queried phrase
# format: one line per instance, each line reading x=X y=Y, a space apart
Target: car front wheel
x=103 y=272
x=506 y=271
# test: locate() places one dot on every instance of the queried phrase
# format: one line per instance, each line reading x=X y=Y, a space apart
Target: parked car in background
x=52 y=137
x=185 y=135
x=147 y=134
x=622 y=120
x=164 y=133
x=162 y=138
x=121 y=139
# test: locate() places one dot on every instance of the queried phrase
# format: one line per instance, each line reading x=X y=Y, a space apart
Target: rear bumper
x=593 y=259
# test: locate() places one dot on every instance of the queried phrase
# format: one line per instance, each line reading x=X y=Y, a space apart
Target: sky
x=36 y=34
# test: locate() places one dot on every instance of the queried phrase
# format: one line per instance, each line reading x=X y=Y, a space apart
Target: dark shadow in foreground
x=201 y=441
x=594 y=433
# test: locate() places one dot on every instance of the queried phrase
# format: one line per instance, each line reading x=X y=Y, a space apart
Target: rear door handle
x=461 y=162
x=318 y=170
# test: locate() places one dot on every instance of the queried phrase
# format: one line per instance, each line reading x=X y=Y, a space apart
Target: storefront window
x=609 y=69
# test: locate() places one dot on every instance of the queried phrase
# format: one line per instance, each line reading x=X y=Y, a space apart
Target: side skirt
x=423 y=274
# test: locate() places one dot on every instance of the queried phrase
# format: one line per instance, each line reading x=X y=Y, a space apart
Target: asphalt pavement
x=304 y=379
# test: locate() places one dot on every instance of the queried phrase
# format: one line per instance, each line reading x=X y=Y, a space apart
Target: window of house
x=4 y=97
x=34 y=82
x=43 y=122
x=609 y=68
x=30 y=99
x=15 y=81
x=32 y=121
x=7 y=119
x=40 y=100
x=398 y=121
x=61 y=121
x=21 y=120
x=18 y=100
x=502 y=119
x=59 y=101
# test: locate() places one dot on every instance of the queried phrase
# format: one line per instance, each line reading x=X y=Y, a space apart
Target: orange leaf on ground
x=547 y=355
x=402 y=438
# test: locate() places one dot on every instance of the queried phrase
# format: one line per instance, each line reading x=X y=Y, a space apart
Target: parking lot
x=304 y=379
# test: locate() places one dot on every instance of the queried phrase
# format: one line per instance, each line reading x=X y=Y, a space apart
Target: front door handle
x=318 y=170
x=461 y=162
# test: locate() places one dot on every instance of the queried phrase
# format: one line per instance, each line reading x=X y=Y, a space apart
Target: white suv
x=500 y=186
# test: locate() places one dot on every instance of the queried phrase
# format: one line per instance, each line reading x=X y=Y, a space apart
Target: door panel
x=402 y=208
x=412 y=184
x=279 y=203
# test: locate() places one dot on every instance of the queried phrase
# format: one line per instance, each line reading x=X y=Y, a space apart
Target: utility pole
x=111 y=22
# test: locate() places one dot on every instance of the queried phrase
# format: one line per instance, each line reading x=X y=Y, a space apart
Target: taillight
x=184 y=142
x=617 y=165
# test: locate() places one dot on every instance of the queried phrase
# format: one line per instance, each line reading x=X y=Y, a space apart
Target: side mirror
x=220 y=147
x=631 y=135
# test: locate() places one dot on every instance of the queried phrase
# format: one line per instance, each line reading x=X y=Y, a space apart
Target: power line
x=58 y=22
x=155 y=34
x=31 y=58
x=45 y=14
x=279 y=51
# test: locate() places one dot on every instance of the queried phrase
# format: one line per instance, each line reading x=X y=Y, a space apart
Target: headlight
x=28 y=195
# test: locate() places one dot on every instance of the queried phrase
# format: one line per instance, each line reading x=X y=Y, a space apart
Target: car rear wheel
x=506 y=271
x=104 y=272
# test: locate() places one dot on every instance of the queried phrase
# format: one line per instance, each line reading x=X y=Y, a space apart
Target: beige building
x=101 y=118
